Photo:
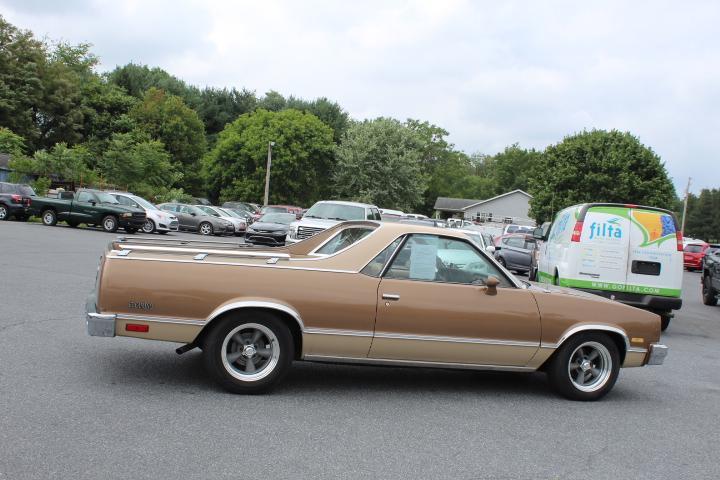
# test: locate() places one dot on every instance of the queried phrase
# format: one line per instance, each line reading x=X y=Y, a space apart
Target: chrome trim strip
x=190 y=249
x=413 y=363
x=390 y=296
x=333 y=331
x=581 y=328
x=637 y=350
x=258 y=304
x=285 y=267
x=432 y=338
x=159 y=319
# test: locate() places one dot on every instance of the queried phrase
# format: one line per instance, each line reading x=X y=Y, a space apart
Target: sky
x=491 y=73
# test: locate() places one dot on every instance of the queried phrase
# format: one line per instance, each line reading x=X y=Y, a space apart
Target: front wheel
x=248 y=353
x=709 y=294
x=4 y=213
x=110 y=224
x=149 y=226
x=49 y=218
x=205 y=229
x=585 y=367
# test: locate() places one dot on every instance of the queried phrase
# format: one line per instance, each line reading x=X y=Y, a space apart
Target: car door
x=429 y=311
x=85 y=209
x=514 y=252
x=191 y=221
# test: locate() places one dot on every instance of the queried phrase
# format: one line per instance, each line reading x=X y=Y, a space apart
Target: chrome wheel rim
x=48 y=218
x=590 y=366
x=148 y=226
x=250 y=352
x=205 y=229
x=109 y=224
x=3 y=212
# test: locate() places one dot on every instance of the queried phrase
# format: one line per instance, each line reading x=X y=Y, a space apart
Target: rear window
x=693 y=248
x=26 y=190
x=343 y=239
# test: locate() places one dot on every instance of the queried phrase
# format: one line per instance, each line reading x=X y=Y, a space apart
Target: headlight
x=126 y=215
x=292 y=232
x=250 y=229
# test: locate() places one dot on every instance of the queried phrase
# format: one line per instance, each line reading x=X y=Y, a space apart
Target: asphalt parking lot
x=76 y=407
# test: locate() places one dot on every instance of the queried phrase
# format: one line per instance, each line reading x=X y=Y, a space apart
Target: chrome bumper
x=98 y=324
x=657 y=355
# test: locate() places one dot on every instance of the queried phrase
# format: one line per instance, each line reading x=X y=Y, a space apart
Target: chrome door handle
x=390 y=296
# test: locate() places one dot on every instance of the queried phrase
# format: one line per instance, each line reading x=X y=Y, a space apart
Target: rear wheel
x=110 y=224
x=585 y=367
x=49 y=218
x=709 y=294
x=205 y=229
x=249 y=352
x=4 y=213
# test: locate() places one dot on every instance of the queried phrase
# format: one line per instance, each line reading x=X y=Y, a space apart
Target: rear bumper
x=98 y=324
x=692 y=263
x=657 y=354
x=648 y=302
x=15 y=209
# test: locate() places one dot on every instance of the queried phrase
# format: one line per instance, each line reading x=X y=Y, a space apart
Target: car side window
x=343 y=239
x=126 y=201
x=185 y=210
x=370 y=214
x=376 y=213
x=85 y=197
x=445 y=260
x=376 y=265
x=516 y=242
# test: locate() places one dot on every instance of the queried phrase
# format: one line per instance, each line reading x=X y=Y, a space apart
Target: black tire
x=206 y=228
x=49 y=217
x=131 y=230
x=664 y=321
x=532 y=274
x=501 y=261
x=556 y=279
x=109 y=223
x=4 y=213
x=149 y=226
x=564 y=378
x=226 y=359
x=709 y=294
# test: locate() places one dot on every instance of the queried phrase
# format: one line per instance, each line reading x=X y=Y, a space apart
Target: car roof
x=352 y=204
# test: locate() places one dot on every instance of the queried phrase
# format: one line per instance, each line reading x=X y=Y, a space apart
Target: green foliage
x=135 y=162
x=41 y=185
x=68 y=163
x=171 y=195
x=378 y=161
x=703 y=215
x=11 y=143
x=511 y=169
x=598 y=166
x=301 y=162
x=166 y=118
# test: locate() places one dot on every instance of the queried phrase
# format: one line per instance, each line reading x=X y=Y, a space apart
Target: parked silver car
x=193 y=219
x=156 y=220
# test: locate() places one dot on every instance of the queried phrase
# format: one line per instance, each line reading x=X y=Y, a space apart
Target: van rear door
x=654 y=263
x=603 y=253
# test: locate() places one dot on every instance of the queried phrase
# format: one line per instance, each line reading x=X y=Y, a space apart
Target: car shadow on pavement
x=166 y=370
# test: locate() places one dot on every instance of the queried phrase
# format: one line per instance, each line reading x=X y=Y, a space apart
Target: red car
x=298 y=211
x=693 y=255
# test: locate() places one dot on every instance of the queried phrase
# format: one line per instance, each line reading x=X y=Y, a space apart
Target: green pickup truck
x=91 y=207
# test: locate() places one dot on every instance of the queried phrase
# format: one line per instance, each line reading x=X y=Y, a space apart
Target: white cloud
x=492 y=73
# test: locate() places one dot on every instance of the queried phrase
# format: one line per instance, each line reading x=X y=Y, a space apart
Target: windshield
x=273 y=210
x=336 y=211
x=284 y=218
x=208 y=210
x=228 y=213
x=144 y=203
x=105 y=197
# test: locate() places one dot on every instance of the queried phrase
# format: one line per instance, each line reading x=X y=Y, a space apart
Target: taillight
x=679 y=238
x=577 y=231
x=136 y=327
x=16 y=198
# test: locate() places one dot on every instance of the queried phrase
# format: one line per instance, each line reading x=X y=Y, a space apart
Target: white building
x=511 y=207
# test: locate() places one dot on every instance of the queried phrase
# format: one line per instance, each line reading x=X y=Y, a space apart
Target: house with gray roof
x=510 y=207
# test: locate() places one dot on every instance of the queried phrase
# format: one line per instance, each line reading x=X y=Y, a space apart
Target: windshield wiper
x=337 y=218
x=310 y=216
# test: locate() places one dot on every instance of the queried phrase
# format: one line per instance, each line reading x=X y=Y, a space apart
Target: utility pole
x=687 y=194
x=267 y=172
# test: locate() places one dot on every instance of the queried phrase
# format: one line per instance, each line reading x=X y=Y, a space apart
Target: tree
x=703 y=216
x=139 y=164
x=379 y=161
x=67 y=163
x=598 y=166
x=510 y=169
x=10 y=143
x=166 y=118
x=301 y=163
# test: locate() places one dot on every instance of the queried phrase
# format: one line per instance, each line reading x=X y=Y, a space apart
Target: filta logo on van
x=609 y=229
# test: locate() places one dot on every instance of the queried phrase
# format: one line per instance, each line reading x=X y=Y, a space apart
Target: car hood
x=547 y=288
x=271 y=226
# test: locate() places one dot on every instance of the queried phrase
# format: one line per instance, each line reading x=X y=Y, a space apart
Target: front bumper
x=133 y=222
x=639 y=300
x=266 y=238
x=98 y=324
x=165 y=226
x=657 y=354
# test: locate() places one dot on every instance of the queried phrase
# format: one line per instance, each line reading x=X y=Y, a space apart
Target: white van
x=629 y=253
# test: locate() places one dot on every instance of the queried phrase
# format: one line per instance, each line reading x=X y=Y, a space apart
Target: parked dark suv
x=15 y=200
x=711 y=275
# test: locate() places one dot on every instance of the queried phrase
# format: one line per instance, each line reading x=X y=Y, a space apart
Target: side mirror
x=193 y=214
x=93 y=202
x=298 y=216
x=491 y=283
x=490 y=249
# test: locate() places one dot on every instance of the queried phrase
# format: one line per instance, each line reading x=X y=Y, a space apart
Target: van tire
x=709 y=294
x=664 y=321
x=556 y=279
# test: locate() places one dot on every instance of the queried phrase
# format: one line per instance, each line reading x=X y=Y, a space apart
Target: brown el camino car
x=366 y=293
